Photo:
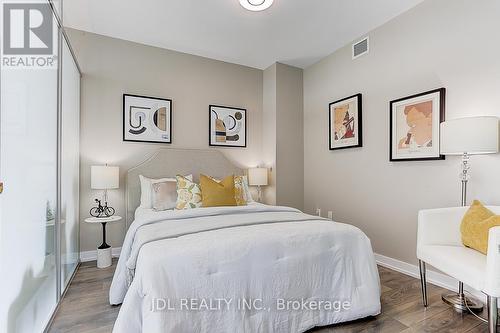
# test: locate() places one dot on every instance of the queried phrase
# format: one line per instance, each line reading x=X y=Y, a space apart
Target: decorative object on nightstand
x=465 y=137
x=105 y=178
x=104 y=250
x=258 y=177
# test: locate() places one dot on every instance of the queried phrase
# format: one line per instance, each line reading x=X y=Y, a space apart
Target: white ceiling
x=294 y=32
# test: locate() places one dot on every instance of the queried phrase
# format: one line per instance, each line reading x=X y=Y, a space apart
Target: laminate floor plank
x=448 y=321
x=85 y=308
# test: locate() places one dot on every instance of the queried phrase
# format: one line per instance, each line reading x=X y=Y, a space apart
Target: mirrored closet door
x=28 y=203
x=39 y=171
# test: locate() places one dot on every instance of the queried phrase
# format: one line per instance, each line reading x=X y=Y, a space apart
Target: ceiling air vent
x=360 y=48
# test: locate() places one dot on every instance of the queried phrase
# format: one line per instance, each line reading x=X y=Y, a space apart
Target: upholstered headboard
x=172 y=162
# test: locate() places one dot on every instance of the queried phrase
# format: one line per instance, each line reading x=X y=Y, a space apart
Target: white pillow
x=147 y=189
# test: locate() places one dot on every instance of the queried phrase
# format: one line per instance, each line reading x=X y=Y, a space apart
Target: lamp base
x=458 y=302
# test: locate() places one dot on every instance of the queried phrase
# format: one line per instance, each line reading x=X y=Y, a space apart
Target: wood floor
x=85 y=307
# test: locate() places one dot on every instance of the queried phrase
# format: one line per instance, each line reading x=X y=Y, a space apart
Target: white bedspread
x=254 y=268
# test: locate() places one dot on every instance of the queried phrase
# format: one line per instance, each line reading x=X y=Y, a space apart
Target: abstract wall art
x=345 y=123
x=147 y=119
x=227 y=126
x=414 y=126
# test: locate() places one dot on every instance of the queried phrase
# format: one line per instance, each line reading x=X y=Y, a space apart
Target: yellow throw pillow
x=239 y=189
x=188 y=194
x=215 y=194
x=476 y=224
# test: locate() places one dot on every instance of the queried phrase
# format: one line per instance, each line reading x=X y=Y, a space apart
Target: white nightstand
x=104 y=250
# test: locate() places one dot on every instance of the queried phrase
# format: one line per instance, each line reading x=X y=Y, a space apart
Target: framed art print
x=147 y=119
x=227 y=126
x=414 y=126
x=345 y=123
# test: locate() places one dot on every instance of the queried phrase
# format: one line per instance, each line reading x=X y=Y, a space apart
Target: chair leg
x=492 y=314
x=423 y=281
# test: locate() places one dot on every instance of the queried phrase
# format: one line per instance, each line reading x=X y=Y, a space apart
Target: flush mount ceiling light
x=256 y=5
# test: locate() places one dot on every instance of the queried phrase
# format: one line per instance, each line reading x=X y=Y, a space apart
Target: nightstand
x=104 y=250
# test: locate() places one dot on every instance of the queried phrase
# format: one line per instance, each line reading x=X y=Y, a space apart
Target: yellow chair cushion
x=215 y=194
x=476 y=224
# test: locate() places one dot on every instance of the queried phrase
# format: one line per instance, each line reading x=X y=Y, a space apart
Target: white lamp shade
x=104 y=177
x=473 y=135
x=257 y=176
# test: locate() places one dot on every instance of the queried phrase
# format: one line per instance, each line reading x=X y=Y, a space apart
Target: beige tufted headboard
x=172 y=162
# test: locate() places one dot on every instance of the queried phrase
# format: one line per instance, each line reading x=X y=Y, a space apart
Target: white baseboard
x=92 y=255
x=435 y=278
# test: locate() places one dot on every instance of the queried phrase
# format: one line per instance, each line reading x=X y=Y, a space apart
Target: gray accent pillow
x=164 y=195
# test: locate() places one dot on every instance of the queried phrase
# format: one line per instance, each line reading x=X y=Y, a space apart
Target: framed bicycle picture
x=147 y=119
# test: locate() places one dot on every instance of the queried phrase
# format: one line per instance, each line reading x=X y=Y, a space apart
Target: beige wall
x=112 y=67
x=283 y=139
x=446 y=43
x=269 y=132
x=428 y=47
x=289 y=136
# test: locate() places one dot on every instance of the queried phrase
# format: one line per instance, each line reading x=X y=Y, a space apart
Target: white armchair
x=439 y=244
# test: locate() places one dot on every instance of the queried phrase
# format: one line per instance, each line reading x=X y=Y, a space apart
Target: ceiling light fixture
x=256 y=5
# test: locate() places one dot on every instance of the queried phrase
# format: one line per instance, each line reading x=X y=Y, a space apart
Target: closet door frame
x=62 y=38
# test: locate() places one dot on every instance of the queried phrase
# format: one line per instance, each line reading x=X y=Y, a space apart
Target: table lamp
x=258 y=177
x=104 y=177
x=465 y=137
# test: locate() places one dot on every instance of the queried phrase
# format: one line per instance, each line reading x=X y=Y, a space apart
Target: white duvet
x=254 y=268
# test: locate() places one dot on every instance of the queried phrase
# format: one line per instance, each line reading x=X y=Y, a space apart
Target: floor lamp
x=465 y=137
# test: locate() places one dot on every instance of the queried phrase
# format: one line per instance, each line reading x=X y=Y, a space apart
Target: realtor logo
x=28 y=35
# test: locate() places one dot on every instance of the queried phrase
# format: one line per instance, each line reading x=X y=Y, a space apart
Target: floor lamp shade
x=104 y=177
x=473 y=135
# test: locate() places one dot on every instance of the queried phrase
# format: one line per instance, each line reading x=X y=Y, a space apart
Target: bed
x=254 y=268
